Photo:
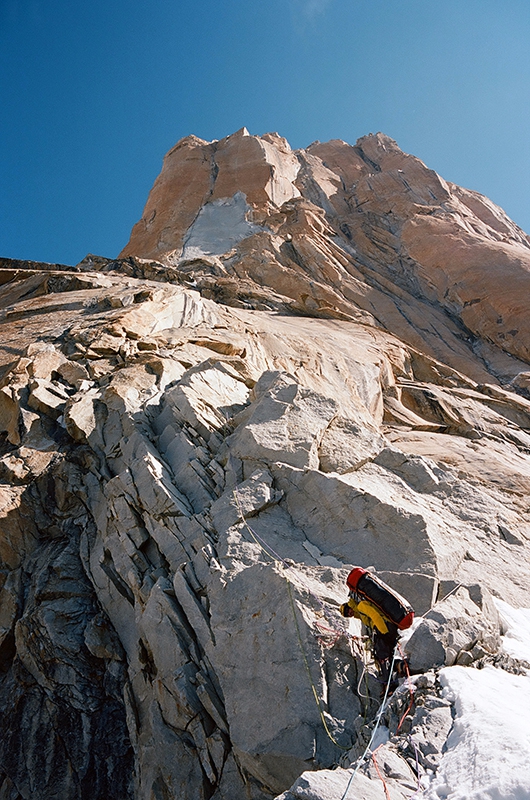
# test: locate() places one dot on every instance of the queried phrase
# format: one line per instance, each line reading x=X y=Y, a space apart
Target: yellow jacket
x=367 y=613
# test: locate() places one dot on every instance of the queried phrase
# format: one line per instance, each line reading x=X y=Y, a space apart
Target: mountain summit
x=348 y=232
x=302 y=361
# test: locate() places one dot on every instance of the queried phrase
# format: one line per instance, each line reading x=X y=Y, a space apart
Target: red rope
x=333 y=633
x=376 y=765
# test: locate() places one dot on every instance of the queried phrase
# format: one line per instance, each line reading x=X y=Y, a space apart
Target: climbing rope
x=403 y=717
x=376 y=765
x=362 y=758
x=268 y=550
x=333 y=635
x=272 y=554
x=419 y=788
x=312 y=683
x=423 y=616
x=363 y=674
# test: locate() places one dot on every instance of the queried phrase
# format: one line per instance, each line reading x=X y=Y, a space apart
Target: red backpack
x=389 y=602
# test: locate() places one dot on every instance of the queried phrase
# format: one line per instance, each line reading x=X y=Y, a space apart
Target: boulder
x=47 y=397
x=285 y=424
x=44 y=361
x=451 y=631
x=73 y=373
x=80 y=415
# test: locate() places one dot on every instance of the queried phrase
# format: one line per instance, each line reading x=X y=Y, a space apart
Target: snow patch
x=219 y=226
x=488 y=750
x=516 y=625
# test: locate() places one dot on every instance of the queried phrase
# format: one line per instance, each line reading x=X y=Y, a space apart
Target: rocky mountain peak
x=342 y=231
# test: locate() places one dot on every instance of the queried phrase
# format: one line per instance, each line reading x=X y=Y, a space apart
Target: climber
x=382 y=611
x=383 y=633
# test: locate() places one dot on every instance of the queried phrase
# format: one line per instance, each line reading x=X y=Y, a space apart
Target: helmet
x=354 y=577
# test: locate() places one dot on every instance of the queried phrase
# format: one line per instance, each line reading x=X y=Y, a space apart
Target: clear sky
x=94 y=93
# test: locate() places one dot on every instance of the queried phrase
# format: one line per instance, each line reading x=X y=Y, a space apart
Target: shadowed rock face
x=301 y=362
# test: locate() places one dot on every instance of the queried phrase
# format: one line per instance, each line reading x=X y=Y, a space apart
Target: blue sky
x=94 y=93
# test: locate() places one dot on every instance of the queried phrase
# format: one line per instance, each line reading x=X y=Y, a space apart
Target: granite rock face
x=363 y=232
x=281 y=378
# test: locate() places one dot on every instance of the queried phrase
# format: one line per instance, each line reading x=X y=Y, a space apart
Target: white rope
x=376 y=726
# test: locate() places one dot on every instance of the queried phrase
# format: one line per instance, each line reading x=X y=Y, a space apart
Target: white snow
x=218 y=227
x=516 y=622
x=488 y=749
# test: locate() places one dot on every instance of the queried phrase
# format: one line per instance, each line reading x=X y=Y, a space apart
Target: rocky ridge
x=301 y=361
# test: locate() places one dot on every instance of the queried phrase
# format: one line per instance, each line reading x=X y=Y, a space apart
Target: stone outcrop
x=296 y=366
